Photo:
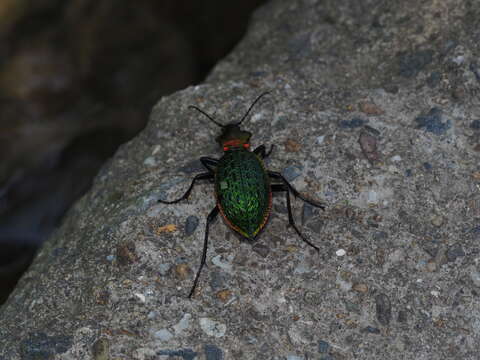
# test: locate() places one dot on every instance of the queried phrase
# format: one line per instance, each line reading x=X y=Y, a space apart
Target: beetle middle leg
x=213 y=214
x=283 y=187
x=202 y=176
x=277 y=175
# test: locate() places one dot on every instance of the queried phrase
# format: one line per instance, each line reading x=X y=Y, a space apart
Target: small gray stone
x=163 y=335
x=212 y=352
x=261 y=250
x=455 y=251
x=218 y=280
x=185 y=354
x=402 y=316
x=383 y=308
x=307 y=212
x=323 y=346
x=163 y=269
x=191 y=224
x=212 y=327
x=371 y=330
x=292 y=172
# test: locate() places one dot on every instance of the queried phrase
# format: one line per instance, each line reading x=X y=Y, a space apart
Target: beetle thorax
x=232 y=137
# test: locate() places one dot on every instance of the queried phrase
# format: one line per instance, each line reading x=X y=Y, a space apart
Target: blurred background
x=77 y=79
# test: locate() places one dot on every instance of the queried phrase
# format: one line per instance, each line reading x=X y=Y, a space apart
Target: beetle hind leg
x=213 y=214
x=277 y=175
x=283 y=187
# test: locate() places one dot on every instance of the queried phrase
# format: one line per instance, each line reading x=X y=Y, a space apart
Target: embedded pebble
x=340 y=252
x=353 y=123
x=261 y=249
x=454 y=252
x=184 y=354
x=217 y=280
x=361 y=288
x=292 y=172
x=191 y=224
x=431 y=122
x=294 y=357
x=402 y=316
x=301 y=269
x=352 y=307
x=163 y=269
x=213 y=327
x=370 y=108
x=307 y=212
x=217 y=260
x=368 y=144
x=224 y=295
x=437 y=220
x=475 y=125
x=396 y=158
x=371 y=330
x=292 y=146
x=383 y=309
x=101 y=349
x=427 y=166
x=150 y=161
x=182 y=271
x=475 y=276
x=163 y=335
x=320 y=139
x=213 y=352
x=140 y=297
x=431 y=265
x=323 y=346
x=372 y=197
x=183 y=324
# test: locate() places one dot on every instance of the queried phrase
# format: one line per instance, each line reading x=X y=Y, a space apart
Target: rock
x=319 y=59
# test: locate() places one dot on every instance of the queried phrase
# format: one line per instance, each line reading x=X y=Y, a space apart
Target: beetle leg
x=208 y=162
x=213 y=214
x=283 y=187
x=277 y=175
x=261 y=151
x=206 y=175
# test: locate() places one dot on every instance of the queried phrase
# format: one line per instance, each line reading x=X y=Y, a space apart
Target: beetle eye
x=246 y=145
x=225 y=148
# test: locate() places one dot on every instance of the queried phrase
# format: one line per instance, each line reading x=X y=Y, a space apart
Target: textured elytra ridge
x=243 y=191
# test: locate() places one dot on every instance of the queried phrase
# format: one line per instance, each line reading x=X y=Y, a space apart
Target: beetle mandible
x=243 y=187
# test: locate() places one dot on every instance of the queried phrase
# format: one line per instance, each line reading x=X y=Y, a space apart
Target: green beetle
x=243 y=186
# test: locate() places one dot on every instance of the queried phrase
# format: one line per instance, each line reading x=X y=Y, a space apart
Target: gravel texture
x=363 y=96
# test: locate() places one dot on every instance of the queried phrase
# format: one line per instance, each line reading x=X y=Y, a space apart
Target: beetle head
x=232 y=137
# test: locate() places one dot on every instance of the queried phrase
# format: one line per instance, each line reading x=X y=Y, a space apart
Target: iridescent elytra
x=243 y=186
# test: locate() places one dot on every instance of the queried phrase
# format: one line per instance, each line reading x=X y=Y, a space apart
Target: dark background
x=79 y=78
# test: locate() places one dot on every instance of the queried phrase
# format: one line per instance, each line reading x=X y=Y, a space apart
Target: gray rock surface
x=375 y=106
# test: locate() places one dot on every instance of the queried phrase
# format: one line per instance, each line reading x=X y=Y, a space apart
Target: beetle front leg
x=277 y=175
x=208 y=162
x=283 y=187
x=202 y=176
x=261 y=151
x=213 y=214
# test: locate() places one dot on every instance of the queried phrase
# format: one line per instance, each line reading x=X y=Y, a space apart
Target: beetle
x=243 y=186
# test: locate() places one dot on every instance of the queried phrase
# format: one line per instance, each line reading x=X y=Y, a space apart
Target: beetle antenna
x=208 y=116
x=251 y=106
